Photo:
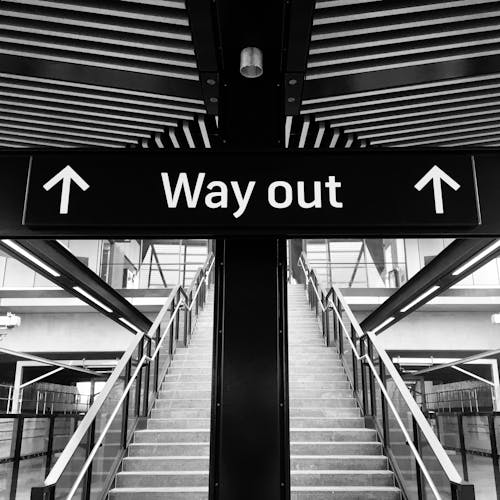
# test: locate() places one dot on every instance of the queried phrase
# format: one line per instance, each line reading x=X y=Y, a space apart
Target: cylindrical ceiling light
x=251 y=65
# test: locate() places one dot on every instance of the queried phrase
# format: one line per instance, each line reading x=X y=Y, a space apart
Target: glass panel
x=35 y=435
x=402 y=455
x=5 y=479
x=70 y=473
x=7 y=429
x=478 y=444
x=31 y=473
x=448 y=432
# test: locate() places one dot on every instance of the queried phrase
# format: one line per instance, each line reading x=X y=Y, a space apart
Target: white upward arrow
x=437 y=176
x=66 y=175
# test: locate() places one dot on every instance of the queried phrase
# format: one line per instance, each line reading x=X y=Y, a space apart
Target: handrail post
x=147 y=375
x=50 y=443
x=373 y=402
x=327 y=324
x=171 y=331
x=186 y=320
x=17 y=455
x=494 y=451
x=385 y=410
x=124 y=431
x=463 y=453
x=157 y=362
x=87 y=482
x=138 y=382
x=420 y=478
x=462 y=491
x=364 y=388
x=197 y=304
x=177 y=319
x=190 y=316
x=335 y=322
x=340 y=337
x=354 y=363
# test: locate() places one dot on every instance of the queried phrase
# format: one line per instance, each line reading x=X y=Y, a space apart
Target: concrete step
x=342 y=478
x=317 y=377
x=155 y=479
x=183 y=403
x=172 y=493
x=338 y=462
x=179 y=385
x=345 y=493
x=326 y=385
x=332 y=434
x=186 y=413
x=168 y=449
x=335 y=448
x=172 y=436
x=171 y=463
x=185 y=370
x=340 y=416
x=322 y=402
x=179 y=423
x=296 y=393
x=187 y=377
x=183 y=394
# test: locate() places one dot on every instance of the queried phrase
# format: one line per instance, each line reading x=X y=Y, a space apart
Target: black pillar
x=250 y=443
x=249 y=456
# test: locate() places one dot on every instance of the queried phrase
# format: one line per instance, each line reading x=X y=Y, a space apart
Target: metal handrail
x=86 y=423
x=412 y=405
x=117 y=407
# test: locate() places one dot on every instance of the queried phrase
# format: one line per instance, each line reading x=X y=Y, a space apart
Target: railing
x=91 y=459
x=473 y=399
x=43 y=401
x=28 y=447
x=421 y=465
x=473 y=438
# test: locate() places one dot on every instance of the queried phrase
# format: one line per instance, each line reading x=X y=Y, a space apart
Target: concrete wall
x=468 y=330
x=67 y=332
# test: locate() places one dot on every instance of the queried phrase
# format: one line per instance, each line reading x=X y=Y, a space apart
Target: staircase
x=169 y=459
x=333 y=454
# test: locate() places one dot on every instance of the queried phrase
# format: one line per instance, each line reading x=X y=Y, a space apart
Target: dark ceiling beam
x=203 y=31
x=129 y=80
x=437 y=273
x=73 y=273
x=300 y=18
x=373 y=80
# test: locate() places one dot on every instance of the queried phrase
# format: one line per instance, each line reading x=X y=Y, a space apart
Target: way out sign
x=254 y=192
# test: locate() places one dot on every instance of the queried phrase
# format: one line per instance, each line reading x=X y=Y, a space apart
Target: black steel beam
x=383 y=79
x=129 y=80
x=438 y=272
x=203 y=31
x=300 y=17
x=74 y=273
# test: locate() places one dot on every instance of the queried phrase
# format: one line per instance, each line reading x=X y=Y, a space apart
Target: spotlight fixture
x=251 y=65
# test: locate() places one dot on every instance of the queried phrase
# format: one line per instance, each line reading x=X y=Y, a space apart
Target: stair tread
x=345 y=488
x=161 y=489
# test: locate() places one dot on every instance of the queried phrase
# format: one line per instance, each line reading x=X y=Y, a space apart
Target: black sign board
x=251 y=191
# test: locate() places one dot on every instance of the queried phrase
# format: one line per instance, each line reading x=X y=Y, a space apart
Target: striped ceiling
x=370 y=40
x=131 y=39
x=125 y=73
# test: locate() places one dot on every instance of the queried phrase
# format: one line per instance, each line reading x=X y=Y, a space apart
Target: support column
x=250 y=445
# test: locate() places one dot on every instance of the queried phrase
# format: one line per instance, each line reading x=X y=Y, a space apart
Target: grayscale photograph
x=249 y=250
